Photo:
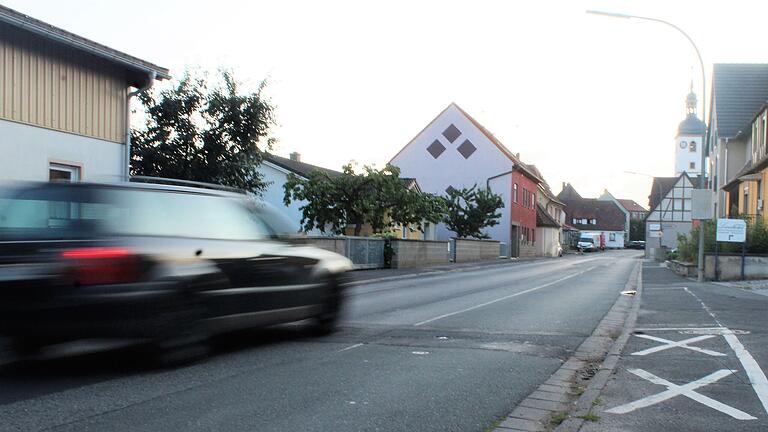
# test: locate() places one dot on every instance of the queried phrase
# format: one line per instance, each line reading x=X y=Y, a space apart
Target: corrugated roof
x=26 y=22
x=739 y=90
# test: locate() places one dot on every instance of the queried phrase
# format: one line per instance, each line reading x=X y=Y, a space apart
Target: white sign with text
x=731 y=230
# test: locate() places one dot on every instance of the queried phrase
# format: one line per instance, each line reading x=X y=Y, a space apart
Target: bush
x=757 y=240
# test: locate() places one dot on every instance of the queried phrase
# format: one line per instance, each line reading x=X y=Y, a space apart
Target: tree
x=375 y=197
x=195 y=132
x=471 y=210
x=636 y=229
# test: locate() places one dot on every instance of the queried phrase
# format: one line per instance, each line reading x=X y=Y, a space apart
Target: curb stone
x=564 y=393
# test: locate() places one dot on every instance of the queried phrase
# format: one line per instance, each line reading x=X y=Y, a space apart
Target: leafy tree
x=204 y=133
x=471 y=210
x=636 y=229
x=376 y=197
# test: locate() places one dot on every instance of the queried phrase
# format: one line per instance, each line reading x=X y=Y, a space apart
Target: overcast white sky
x=585 y=98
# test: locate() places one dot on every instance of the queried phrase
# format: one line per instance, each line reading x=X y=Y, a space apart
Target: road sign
x=731 y=230
x=654 y=227
x=701 y=203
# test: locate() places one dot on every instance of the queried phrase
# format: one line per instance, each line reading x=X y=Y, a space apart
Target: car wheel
x=185 y=340
x=326 y=321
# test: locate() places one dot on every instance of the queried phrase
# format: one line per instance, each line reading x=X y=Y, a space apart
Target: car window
x=159 y=213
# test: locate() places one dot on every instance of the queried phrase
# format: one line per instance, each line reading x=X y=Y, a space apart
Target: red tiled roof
x=632 y=206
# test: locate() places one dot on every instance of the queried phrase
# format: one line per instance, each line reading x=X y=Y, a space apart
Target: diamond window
x=436 y=149
x=451 y=133
x=466 y=149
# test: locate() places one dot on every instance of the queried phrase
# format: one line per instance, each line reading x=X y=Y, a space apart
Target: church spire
x=690 y=103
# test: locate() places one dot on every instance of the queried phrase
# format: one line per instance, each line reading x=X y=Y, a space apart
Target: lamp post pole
x=703 y=146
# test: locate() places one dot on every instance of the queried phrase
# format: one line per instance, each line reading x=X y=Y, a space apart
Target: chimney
x=296 y=156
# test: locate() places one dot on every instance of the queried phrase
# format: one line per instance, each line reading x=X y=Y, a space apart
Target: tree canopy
x=202 y=132
x=470 y=210
x=375 y=197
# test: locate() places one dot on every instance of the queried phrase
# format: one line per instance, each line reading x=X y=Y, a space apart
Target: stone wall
x=333 y=244
x=729 y=267
x=417 y=253
x=469 y=250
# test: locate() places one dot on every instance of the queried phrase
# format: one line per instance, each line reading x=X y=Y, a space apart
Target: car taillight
x=102 y=265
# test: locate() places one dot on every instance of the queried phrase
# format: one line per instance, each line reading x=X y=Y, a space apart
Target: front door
x=514 y=241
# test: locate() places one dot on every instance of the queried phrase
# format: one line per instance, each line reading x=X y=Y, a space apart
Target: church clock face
x=683 y=144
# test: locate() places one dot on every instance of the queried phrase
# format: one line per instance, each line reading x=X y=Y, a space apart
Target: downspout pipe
x=145 y=87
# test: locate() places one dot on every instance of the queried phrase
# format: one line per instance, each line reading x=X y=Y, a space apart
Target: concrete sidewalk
x=695 y=361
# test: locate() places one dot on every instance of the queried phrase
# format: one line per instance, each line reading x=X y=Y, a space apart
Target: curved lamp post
x=702 y=181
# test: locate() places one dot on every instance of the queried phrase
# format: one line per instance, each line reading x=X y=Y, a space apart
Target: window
x=692 y=147
x=612 y=236
x=533 y=235
x=575 y=221
x=63 y=173
x=593 y=221
x=514 y=193
x=692 y=165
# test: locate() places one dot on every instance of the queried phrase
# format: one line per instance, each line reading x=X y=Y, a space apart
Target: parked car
x=587 y=244
x=167 y=263
x=636 y=244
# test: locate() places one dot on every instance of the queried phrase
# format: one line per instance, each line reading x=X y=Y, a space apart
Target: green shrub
x=757 y=240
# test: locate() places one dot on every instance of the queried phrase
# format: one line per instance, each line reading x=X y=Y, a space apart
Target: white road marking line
x=754 y=373
x=350 y=347
x=713 y=329
x=668 y=344
x=686 y=390
x=502 y=298
x=756 y=376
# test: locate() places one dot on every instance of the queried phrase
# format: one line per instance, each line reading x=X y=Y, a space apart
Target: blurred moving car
x=167 y=263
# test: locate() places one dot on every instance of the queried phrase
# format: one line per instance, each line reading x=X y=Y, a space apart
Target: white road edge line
x=754 y=373
x=502 y=298
x=350 y=347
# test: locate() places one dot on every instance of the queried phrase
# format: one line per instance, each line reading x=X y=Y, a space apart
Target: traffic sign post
x=731 y=231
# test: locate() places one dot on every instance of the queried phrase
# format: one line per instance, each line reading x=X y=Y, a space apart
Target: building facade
x=738 y=92
x=64 y=103
x=594 y=216
x=456 y=151
x=670 y=214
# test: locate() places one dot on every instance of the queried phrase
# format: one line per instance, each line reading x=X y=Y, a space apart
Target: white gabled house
x=275 y=170
x=455 y=151
x=670 y=214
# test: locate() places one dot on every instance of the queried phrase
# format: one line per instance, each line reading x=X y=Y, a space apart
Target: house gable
x=452 y=151
x=675 y=205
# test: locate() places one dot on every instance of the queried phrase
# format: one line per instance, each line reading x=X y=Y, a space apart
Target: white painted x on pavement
x=686 y=390
x=676 y=344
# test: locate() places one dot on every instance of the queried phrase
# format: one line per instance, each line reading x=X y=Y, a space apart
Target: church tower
x=688 y=145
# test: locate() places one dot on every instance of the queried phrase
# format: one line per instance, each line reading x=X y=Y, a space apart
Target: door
x=514 y=241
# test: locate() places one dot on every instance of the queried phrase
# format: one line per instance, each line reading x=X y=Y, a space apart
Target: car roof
x=134 y=186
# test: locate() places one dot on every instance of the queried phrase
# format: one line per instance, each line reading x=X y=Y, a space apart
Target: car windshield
x=587 y=240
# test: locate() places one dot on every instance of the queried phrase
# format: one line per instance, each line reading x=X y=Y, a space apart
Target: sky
x=585 y=98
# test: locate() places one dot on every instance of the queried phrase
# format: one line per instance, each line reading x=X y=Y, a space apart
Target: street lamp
x=702 y=182
x=661 y=201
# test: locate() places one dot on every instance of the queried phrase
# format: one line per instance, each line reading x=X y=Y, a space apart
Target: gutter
x=74 y=43
x=145 y=87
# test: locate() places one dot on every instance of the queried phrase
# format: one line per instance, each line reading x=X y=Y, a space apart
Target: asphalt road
x=447 y=352
x=711 y=321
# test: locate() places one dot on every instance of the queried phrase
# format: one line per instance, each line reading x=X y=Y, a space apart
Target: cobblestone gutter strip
x=568 y=396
